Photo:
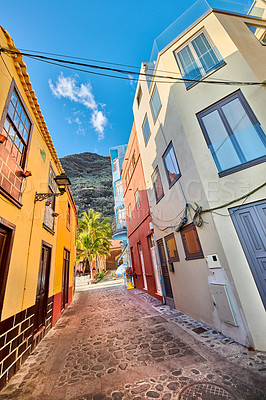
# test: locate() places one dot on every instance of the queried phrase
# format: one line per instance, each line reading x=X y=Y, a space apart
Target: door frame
x=47 y=245
x=170 y=300
x=246 y=251
x=8 y=226
x=63 y=304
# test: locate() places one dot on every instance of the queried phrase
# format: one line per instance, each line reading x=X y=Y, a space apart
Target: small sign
x=43 y=155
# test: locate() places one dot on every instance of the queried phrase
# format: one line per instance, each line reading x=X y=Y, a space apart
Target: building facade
x=139 y=224
x=117 y=154
x=203 y=149
x=37 y=238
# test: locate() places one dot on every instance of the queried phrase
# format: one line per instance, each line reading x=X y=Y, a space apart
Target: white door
x=155 y=265
x=142 y=266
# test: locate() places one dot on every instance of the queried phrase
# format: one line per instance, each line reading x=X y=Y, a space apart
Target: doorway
x=165 y=272
x=155 y=264
x=7 y=231
x=42 y=287
x=250 y=224
x=65 y=278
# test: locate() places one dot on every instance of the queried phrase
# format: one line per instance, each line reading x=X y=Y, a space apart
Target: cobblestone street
x=116 y=344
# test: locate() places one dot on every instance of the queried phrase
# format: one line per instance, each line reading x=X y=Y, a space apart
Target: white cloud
x=67 y=87
x=99 y=121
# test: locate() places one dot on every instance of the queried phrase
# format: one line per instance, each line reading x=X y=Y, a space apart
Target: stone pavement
x=118 y=344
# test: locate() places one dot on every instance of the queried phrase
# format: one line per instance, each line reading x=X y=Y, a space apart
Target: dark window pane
x=171 y=165
x=157 y=184
x=146 y=129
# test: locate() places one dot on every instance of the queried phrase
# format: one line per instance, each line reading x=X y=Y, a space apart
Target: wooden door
x=65 y=278
x=165 y=272
x=7 y=231
x=250 y=224
x=42 y=288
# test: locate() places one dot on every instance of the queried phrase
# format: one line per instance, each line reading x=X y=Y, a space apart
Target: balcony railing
x=188 y=19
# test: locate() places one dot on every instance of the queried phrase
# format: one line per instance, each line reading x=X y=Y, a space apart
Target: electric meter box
x=213 y=261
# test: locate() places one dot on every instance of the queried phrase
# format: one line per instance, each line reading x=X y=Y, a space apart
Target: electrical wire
x=122 y=71
x=106 y=62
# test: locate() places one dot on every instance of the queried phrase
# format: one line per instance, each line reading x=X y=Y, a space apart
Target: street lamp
x=62 y=182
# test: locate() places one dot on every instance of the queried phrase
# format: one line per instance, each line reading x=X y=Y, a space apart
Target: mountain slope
x=91 y=182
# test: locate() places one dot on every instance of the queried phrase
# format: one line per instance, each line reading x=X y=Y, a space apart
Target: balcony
x=189 y=18
x=119 y=230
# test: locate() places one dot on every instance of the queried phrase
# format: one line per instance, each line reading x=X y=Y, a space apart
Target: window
x=171 y=248
x=259 y=32
x=146 y=129
x=191 y=242
x=17 y=127
x=197 y=58
x=68 y=216
x=233 y=134
x=137 y=198
x=155 y=103
x=121 y=215
x=157 y=185
x=49 y=213
x=118 y=188
x=171 y=165
x=139 y=96
x=131 y=167
x=115 y=164
x=134 y=159
x=127 y=180
x=129 y=211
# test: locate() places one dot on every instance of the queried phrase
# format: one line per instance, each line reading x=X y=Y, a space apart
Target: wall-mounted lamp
x=26 y=174
x=3 y=138
x=55 y=214
x=62 y=181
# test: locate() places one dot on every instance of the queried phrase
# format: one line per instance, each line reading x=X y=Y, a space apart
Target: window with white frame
x=118 y=188
x=129 y=211
x=155 y=103
x=134 y=159
x=121 y=215
x=233 y=134
x=137 y=198
x=259 y=32
x=115 y=164
x=197 y=58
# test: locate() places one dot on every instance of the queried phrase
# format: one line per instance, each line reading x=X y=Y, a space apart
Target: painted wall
x=200 y=181
x=138 y=225
x=28 y=218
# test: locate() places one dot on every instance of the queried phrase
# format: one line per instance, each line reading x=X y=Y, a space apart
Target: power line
x=122 y=71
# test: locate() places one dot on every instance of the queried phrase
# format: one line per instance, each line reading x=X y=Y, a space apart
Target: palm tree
x=94 y=233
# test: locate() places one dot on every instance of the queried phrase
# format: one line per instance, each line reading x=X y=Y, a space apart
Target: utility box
x=223 y=303
x=213 y=261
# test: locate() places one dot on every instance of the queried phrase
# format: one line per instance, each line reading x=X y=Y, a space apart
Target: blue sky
x=86 y=112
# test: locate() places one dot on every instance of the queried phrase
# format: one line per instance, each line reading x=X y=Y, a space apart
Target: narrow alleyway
x=116 y=344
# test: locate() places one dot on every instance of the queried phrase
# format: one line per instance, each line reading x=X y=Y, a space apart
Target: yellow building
x=37 y=233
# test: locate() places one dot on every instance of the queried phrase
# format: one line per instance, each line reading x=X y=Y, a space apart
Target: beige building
x=201 y=131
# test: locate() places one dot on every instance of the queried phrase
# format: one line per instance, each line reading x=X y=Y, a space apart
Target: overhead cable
x=62 y=62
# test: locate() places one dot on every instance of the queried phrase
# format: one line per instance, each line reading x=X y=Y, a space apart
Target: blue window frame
x=198 y=58
x=171 y=165
x=155 y=103
x=146 y=129
x=233 y=134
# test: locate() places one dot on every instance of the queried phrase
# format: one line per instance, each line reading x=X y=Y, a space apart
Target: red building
x=139 y=223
